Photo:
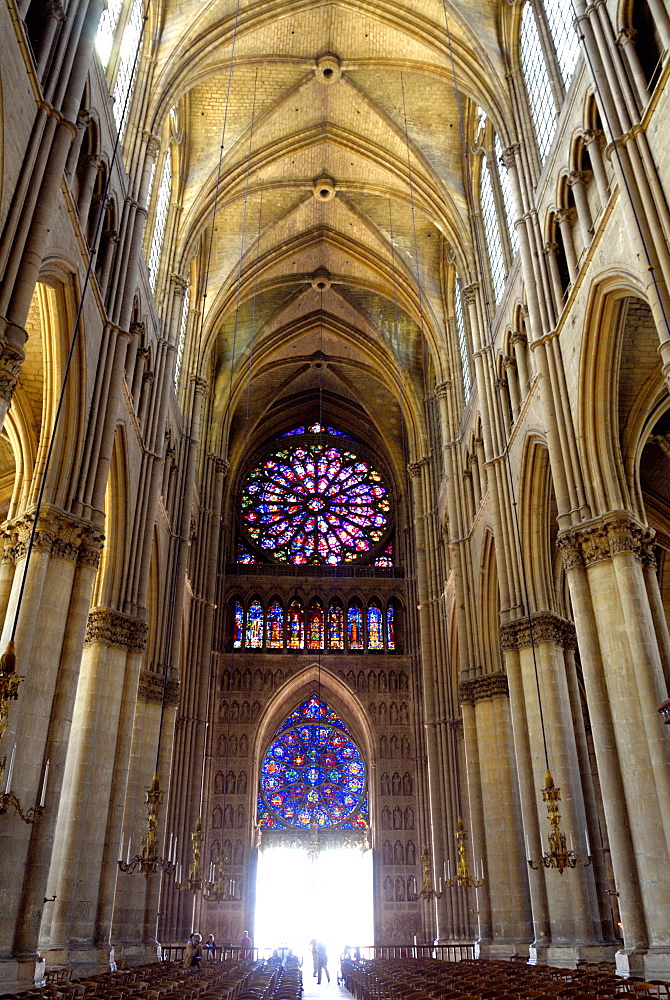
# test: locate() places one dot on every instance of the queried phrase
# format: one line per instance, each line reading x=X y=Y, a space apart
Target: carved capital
x=138 y=329
x=604 y=538
x=153 y=144
x=565 y=215
x=149 y=377
x=470 y=293
x=150 y=689
x=483 y=688
x=221 y=464
x=626 y=35
x=114 y=629
x=180 y=283
x=508 y=156
x=508 y=361
x=518 y=338
x=442 y=390
x=414 y=468
x=590 y=135
x=11 y=359
x=201 y=385
x=58 y=533
x=544 y=626
x=54 y=8
x=577 y=177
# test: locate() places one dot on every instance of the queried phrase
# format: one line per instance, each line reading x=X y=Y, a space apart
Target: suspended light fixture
x=464 y=879
x=558 y=856
x=148 y=861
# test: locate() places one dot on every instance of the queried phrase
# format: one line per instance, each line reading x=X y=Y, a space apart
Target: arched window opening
x=238 y=626
x=315 y=625
x=492 y=231
x=560 y=19
x=375 y=626
x=181 y=339
x=104 y=40
x=128 y=64
x=254 y=633
x=538 y=87
x=275 y=626
x=160 y=220
x=648 y=45
x=463 y=351
x=355 y=627
x=335 y=626
x=312 y=772
x=295 y=638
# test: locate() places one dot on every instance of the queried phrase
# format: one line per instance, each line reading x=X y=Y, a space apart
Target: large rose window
x=312 y=773
x=315 y=502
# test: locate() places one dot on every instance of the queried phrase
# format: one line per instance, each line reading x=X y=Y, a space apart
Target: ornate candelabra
x=149 y=861
x=10 y=682
x=464 y=877
x=428 y=890
x=219 y=888
x=558 y=856
x=194 y=882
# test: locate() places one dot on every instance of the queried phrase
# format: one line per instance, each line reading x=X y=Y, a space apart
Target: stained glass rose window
x=315 y=502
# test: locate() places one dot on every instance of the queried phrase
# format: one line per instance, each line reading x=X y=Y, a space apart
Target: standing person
x=193 y=953
x=210 y=946
x=321 y=962
x=312 y=948
x=245 y=946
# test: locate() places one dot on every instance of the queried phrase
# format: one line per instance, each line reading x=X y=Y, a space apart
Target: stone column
x=593 y=138
x=624 y=685
x=87 y=785
x=577 y=181
x=564 y=219
x=510 y=915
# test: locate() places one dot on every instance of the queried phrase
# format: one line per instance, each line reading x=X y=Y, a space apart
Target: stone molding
x=442 y=390
x=114 y=629
x=546 y=627
x=483 y=688
x=150 y=689
x=11 y=359
x=606 y=537
x=221 y=465
x=61 y=535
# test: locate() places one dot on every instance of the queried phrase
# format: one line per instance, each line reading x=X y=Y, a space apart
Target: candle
x=123 y=837
x=527 y=849
x=8 y=783
x=588 y=846
x=169 y=853
x=44 y=784
x=448 y=870
x=128 y=856
x=174 y=855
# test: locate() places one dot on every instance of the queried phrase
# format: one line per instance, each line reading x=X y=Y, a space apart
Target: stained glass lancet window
x=313 y=772
x=275 y=626
x=390 y=626
x=508 y=197
x=162 y=207
x=315 y=625
x=238 y=629
x=375 y=627
x=335 y=627
x=254 y=637
x=462 y=340
x=355 y=627
x=490 y=220
x=295 y=638
x=128 y=63
x=315 y=502
x=560 y=16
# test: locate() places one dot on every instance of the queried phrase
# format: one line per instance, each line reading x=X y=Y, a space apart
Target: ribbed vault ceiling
x=342 y=159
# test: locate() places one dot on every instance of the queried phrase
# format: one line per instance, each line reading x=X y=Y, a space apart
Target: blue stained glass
x=315 y=429
x=355 y=627
x=335 y=627
x=390 y=627
x=313 y=772
x=245 y=557
x=375 y=627
x=239 y=625
x=315 y=503
x=385 y=560
x=254 y=636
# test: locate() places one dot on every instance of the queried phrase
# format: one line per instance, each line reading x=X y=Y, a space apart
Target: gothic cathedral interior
x=335 y=471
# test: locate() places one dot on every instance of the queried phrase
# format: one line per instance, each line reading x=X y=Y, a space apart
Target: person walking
x=210 y=946
x=321 y=962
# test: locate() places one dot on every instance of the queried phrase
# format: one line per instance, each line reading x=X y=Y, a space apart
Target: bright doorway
x=298 y=899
